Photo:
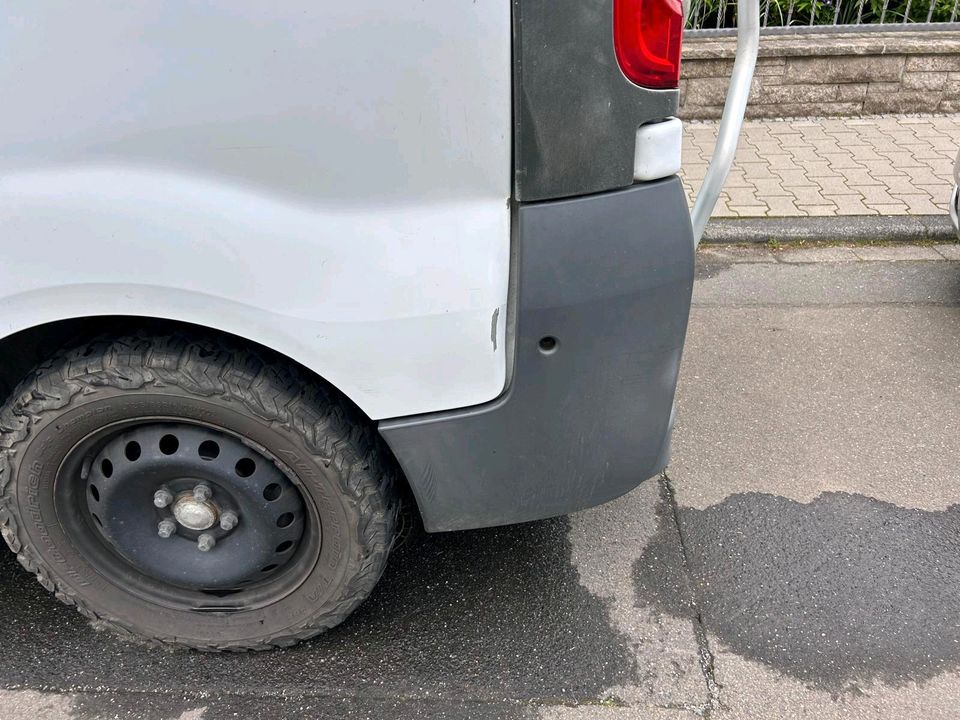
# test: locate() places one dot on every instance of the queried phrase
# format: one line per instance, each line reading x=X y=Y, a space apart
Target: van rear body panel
x=327 y=179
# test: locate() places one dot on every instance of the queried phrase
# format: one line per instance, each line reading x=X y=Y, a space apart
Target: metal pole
x=748 y=42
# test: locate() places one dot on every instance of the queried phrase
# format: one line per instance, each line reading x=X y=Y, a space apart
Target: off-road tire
x=339 y=461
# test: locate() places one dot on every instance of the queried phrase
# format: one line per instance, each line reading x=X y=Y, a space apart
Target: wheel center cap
x=194 y=514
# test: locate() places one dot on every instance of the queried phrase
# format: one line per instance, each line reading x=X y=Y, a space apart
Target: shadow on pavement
x=843 y=591
x=485 y=615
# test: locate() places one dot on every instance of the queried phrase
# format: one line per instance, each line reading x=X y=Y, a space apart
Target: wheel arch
x=23 y=350
x=28 y=343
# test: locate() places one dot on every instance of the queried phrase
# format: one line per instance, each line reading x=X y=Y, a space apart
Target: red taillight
x=647 y=36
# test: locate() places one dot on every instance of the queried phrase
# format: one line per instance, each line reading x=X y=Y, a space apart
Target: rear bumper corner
x=606 y=279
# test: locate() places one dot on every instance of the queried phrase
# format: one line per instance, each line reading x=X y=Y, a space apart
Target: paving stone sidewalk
x=889 y=165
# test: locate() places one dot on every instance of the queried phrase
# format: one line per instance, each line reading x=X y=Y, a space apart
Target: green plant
x=781 y=13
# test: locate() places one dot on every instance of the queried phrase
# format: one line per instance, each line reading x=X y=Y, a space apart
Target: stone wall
x=831 y=74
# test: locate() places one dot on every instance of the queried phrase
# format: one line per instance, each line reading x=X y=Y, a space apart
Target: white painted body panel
x=328 y=179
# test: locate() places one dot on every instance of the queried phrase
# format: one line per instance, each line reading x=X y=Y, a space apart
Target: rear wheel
x=189 y=492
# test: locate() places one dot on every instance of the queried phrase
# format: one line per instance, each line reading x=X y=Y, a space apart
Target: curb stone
x=871 y=228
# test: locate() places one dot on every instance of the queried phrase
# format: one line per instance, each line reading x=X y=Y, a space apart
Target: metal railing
x=719 y=17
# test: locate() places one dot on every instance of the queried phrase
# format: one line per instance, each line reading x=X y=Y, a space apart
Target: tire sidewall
x=35 y=465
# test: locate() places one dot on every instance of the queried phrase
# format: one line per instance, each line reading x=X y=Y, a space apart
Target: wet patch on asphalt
x=151 y=706
x=487 y=615
x=707 y=268
x=840 y=592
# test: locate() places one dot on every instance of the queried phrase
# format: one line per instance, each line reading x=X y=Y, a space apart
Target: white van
x=270 y=268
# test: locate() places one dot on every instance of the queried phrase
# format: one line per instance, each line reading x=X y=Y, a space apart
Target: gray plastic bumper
x=609 y=277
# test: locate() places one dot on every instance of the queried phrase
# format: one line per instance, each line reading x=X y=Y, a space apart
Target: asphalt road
x=799 y=559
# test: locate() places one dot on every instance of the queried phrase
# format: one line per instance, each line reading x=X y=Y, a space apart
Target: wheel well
x=23 y=351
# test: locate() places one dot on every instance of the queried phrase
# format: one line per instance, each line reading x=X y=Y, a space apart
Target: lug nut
x=162 y=497
x=166 y=528
x=206 y=542
x=202 y=492
x=229 y=520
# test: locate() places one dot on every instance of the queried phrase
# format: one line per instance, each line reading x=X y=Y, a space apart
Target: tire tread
x=331 y=428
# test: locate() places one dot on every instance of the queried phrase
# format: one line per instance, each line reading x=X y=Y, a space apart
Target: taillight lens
x=647 y=35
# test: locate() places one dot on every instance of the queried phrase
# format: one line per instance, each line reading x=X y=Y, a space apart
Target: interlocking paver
x=898 y=183
x=756 y=170
x=745 y=153
x=859 y=176
x=875 y=194
x=940 y=194
x=779 y=127
x=903 y=159
x=765 y=147
x=827 y=149
x=744 y=196
x=782 y=207
x=919 y=204
x=782 y=161
x=794 y=177
x=840 y=186
x=819 y=168
x=694 y=171
x=749 y=210
x=925 y=176
x=882 y=143
x=926 y=129
x=883 y=209
x=940 y=142
x=842 y=161
x=850 y=205
x=944 y=165
x=881 y=167
x=863 y=152
x=922 y=151
x=769 y=188
x=805 y=155
x=818 y=210
x=793 y=140
x=737 y=179
x=901 y=137
x=891 y=165
x=809 y=195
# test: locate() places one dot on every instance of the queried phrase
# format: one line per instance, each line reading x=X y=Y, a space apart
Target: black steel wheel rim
x=244 y=534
